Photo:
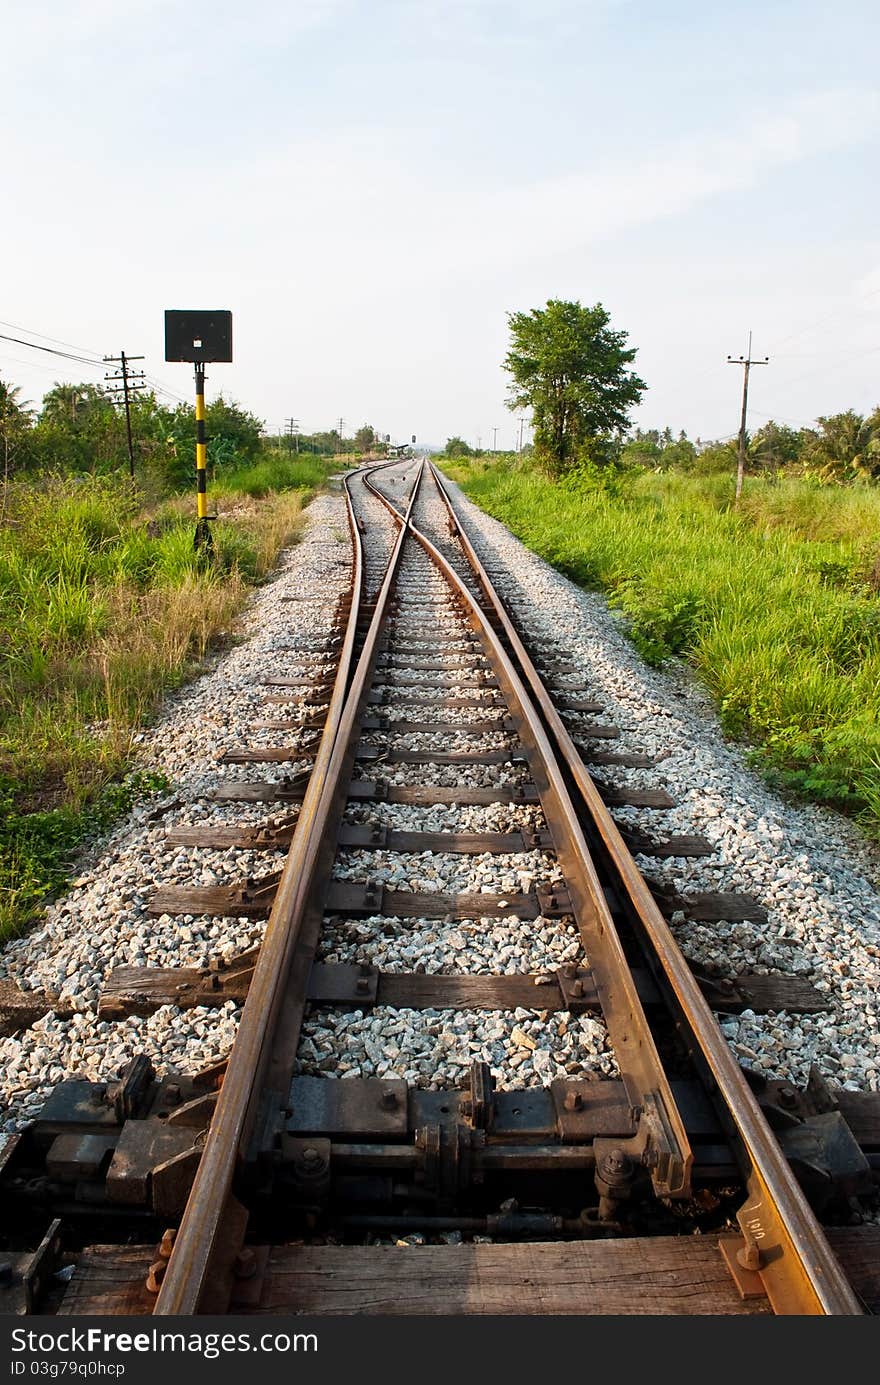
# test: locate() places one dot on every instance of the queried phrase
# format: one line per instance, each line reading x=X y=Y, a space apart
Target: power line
x=16 y=327
x=52 y=351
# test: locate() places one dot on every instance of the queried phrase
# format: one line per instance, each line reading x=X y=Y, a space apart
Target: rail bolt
x=245 y=1265
x=388 y=1100
x=166 y=1245
x=155 y=1275
x=572 y=1101
x=615 y=1167
x=750 y=1257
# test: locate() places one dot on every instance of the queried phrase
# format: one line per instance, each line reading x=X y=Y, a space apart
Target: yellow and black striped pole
x=203 y=529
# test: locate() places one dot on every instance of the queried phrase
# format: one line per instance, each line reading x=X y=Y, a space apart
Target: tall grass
x=279 y=471
x=775 y=604
x=105 y=604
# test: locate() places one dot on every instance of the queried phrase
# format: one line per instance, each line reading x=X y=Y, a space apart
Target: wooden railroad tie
x=131 y=990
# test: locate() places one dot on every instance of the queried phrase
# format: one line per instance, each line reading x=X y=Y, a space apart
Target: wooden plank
x=428 y=794
x=363 y=836
x=20 y=1009
x=243 y=755
x=861 y=1111
x=237 y=791
x=858 y=1250
x=568 y=703
x=646 y=845
x=435 y=699
x=423 y=991
x=660 y=1276
x=131 y=990
x=393 y=662
x=598 y=731
x=634 y=798
x=451 y=757
x=365 y=791
x=110 y=1280
x=591 y=756
x=438 y=728
x=316 y=681
x=764 y=994
x=708 y=905
x=352 y=896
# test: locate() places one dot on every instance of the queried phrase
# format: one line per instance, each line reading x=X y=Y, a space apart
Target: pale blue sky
x=371 y=187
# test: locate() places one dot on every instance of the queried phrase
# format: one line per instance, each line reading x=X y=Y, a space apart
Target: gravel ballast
x=816 y=877
x=811 y=868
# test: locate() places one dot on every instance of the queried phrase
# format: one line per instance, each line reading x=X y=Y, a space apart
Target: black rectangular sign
x=198 y=335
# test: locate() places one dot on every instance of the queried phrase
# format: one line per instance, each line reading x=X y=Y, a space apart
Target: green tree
x=364 y=438
x=457 y=447
x=845 y=447
x=69 y=405
x=775 y=446
x=569 y=367
x=233 y=439
x=15 y=423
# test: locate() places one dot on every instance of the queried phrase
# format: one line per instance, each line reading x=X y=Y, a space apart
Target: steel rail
x=783 y=1239
x=199 y=1272
x=661 y=1142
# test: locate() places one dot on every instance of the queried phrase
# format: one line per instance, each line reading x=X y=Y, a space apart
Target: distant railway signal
x=199 y=336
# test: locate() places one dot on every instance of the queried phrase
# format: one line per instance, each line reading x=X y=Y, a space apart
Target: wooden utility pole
x=130 y=380
x=746 y=362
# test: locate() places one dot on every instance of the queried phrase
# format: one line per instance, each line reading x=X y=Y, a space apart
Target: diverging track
x=467 y=1018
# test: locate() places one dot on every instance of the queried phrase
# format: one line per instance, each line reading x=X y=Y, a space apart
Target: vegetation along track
x=467 y=1022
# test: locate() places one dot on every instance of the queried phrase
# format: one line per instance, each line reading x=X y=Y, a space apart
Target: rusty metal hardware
x=127 y=1095
x=23 y=1277
x=478 y=1109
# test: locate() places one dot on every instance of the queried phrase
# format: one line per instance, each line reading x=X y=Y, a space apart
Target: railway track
x=442 y=756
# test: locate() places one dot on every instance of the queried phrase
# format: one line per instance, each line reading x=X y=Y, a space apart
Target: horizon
x=372 y=188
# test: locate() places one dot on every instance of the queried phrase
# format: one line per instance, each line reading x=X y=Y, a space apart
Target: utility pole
x=494 y=439
x=292 y=429
x=519 y=449
x=130 y=381
x=746 y=362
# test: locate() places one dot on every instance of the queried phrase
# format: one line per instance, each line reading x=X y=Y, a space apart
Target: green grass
x=278 y=472
x=105 y=604
x=775 y=606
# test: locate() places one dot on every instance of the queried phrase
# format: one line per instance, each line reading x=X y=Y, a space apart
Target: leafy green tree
x=844 y=447
x=569 y=367
x=364 y=438
x=69 y=405
x=15 y=423
x=457 y=447
x=234 y=439
x=776 y=446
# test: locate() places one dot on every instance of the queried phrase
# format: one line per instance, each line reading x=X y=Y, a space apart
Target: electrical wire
x=85 y=350
x=51 y=350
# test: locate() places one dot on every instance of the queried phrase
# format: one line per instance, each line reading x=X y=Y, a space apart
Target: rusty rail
x=782 y=1239
x=201 y=1267
x=661 y=1142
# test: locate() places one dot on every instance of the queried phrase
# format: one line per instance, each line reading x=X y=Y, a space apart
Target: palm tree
x=15 y=419
x=846 y=447
x=65 y=403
